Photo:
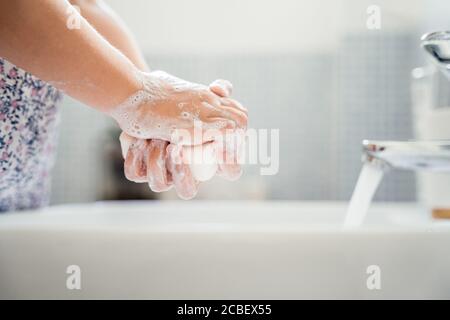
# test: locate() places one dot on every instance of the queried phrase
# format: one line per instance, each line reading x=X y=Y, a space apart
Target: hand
x=156 y=162
x=230 y=146
x=168 y=105
x=145 y=159
x=165 y=165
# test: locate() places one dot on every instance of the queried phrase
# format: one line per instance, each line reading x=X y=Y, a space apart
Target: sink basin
x=222 y=250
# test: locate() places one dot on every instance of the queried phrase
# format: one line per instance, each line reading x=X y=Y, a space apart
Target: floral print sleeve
x=28 y=133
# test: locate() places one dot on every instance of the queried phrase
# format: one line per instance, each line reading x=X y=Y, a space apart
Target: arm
x=34 y=36
x=112 y=28
x=148 y=161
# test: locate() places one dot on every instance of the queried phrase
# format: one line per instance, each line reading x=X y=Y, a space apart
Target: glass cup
x=431 y=111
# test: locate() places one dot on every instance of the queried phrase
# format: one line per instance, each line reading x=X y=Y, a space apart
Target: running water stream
x=368 y=182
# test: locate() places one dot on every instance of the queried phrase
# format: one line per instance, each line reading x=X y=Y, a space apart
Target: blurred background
x=309 y=68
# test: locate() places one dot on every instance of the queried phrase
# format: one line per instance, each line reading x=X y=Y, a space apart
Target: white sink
x=213 y=250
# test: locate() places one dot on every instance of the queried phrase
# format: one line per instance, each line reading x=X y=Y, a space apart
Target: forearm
x=34 y=36
x=112 y=28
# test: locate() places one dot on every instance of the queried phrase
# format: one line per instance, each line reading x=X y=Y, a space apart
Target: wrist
x=126 y=86
x=128 y=112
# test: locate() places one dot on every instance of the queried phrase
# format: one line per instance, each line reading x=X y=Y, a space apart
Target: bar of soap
x=203 y=161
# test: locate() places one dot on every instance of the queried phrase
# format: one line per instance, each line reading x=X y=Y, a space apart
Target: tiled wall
x=373 y=102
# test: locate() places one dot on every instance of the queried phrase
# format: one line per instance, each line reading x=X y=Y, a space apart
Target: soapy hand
x=164 y=165
x=167 y=105
x=229 y=146
x=190 y=165
x=145 y=161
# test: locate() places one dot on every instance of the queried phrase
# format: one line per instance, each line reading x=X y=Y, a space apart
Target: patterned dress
x=28 y=133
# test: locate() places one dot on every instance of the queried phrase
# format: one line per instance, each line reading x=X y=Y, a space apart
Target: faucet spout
x=437 y=45
x=409 y=155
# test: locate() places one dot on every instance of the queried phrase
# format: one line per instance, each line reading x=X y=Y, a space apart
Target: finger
x=135 y=166
x=185 y=184
x=234 y=104
x=229 y=167
x=223 y=88
x=231 y=113
x=229 y=155
x=157 y=174
x=204 y=132
x=223 y=108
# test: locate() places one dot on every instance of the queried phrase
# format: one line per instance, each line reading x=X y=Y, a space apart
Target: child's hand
x=230 y=147
x=168 y=105
x=145 y=162
x=158 y=163
x=165 y=165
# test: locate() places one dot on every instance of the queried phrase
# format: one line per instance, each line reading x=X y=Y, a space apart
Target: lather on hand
x=165 y=165
x=167 y=105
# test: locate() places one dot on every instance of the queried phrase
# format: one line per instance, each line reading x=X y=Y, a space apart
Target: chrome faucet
x=416 y=155
x=437 y=44
x=408 y=155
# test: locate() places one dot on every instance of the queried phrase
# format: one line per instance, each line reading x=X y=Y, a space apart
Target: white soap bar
x=202 y=161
